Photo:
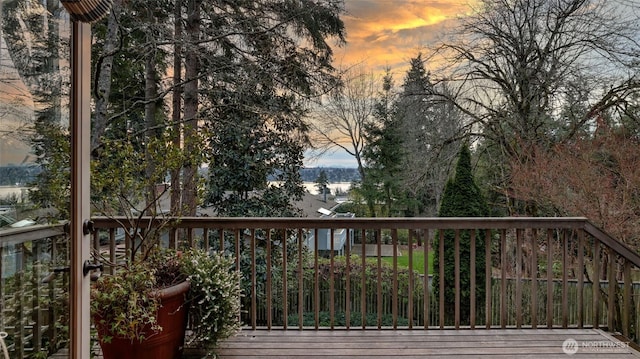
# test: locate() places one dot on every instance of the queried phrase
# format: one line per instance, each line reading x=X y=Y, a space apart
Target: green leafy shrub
x=356 y=273
x=214 y=297
x=124 y=305
x=339 y=319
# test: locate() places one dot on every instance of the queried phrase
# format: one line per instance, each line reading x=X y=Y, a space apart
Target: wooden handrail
x=532 y=283
x=26 y=234
x=619 y=247
x=359 y=223
x=540 y=272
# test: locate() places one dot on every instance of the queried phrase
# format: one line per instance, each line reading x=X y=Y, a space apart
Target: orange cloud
x=388 y=33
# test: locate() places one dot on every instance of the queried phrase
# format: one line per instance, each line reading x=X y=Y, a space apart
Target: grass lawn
x=418 y=260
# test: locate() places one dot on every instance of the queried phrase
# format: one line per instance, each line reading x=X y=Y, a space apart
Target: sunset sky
x=380 y=34
x=388 y=33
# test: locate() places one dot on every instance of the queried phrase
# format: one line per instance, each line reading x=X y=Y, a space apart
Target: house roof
x=311 y=203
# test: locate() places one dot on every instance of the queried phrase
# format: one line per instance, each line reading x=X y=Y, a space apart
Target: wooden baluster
x=269 y=294
x=18 y=298
x=626 y=299
x=394 y=295
x=472 y=280
x=347 y=253
x=300 y=281
x=190 y=237
x=565 y=279
x=441 y=269
x=549 y=278
x=221 y=240
x=363 y=294
x=503 y=279
x=612 y=297
x=596 y=283
x=519 y=264
x=379 y=277
x=580 y=286
x=456 y=270
x=36 y=314
x=534 y=278
x=254 y=282
x=285 y=294
x=425 y=282
x=332 y=289
x=411 y=278
x=488 y=274
x=316 y=282
x=205 y=237
x=112 y=250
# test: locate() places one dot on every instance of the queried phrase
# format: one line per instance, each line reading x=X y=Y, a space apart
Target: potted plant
x=153 y=291
x=142 y=310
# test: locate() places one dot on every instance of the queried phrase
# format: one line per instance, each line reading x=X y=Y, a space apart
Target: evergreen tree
x=322 y=182
x=384 y=154
x=254 y=85
x=462 y=198
x=429 y=126
x=247 y=67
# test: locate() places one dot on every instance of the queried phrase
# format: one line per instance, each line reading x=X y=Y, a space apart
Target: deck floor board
x=408 y=344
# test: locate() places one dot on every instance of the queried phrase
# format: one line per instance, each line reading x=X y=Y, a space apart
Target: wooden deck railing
x=33 y=297
x=540 y=272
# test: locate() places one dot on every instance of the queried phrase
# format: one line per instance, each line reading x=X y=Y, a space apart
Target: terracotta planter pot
x=168 y=343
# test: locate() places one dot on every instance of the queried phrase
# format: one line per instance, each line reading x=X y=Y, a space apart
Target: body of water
x=20 y=192
x=342 y=186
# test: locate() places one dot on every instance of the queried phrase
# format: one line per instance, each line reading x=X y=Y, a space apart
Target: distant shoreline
x=18 y=191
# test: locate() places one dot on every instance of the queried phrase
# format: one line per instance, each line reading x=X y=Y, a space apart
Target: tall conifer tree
x=462 y=198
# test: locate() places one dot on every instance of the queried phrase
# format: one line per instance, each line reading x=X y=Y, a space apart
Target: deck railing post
x=596 y=283
x=503 y=278
x=441 y=279
x=472 y=279
x=565 y=278
x=332 y=289
x=456 y=264
x=613 y=283
x=425 y=284
x=254 y=294
x=534 y=278
x=580 y=278
x=488 y=282
x=519 y=264
x=285 y=294
x=411 y=278
x=626 y=299
x=363 y=289
x=394 y=294
x=549 y=278
x=269 y=304
x=347 y=253
x=316 y=281
x=379 y=277
x=36 y=314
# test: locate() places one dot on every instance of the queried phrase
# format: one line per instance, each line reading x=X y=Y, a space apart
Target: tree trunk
x=150 y=94
x=177 y=107
x=103 y=79
x=190 y=172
